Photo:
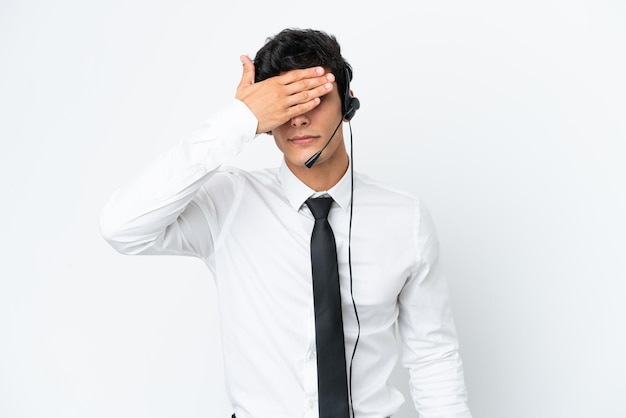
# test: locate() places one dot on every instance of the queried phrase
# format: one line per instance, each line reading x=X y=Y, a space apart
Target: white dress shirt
x=253 y=231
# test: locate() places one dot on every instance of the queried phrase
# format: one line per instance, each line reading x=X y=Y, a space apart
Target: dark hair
x=294 y=48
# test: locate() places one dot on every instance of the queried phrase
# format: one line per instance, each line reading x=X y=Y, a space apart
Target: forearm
x=431 y=354
x=137 y=215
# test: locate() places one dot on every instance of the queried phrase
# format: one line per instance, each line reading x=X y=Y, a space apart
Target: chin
x=300 y=163
x=300 y=158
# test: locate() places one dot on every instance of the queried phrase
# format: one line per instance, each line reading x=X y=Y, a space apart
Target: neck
x=324 y=174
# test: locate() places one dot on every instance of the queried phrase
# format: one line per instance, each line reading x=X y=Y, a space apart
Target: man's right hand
x=276 y=100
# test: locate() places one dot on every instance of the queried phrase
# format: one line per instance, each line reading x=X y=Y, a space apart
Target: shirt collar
x=297 y=192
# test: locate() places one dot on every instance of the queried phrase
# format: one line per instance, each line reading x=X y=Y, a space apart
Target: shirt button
x=312 y=355
x=311 y=404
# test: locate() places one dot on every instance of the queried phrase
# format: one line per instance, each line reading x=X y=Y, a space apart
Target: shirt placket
x=310 y=370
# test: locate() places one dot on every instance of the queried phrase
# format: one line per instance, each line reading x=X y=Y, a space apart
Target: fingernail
x=319 y=70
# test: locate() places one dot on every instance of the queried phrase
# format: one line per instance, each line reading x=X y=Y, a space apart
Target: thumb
x=247 y=78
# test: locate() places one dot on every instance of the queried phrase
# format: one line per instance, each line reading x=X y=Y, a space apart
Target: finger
x=247 y=78
x=302 y=108
x=302 y=97
x=301 y=74
x=309 y=84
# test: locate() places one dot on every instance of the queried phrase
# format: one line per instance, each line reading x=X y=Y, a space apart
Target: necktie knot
x=320 y=206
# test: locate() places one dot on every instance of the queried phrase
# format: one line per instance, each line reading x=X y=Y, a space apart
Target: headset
x=350 y=106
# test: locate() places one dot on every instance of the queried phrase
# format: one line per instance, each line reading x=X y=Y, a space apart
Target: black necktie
x=332 y=381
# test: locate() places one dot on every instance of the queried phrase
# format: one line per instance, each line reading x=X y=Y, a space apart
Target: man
x=254 y=232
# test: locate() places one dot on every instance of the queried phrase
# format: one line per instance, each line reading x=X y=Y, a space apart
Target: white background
x=508 y=118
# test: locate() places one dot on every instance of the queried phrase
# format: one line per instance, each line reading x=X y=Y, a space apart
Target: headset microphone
x=309 y=163
x=351 y=105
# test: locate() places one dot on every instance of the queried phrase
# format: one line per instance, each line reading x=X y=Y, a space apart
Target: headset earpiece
x=351 y=104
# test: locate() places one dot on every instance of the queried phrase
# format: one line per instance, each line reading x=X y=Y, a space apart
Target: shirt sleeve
x=426 y=326
x=165 y=209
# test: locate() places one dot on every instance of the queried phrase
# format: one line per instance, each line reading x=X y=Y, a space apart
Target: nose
x=299 y=121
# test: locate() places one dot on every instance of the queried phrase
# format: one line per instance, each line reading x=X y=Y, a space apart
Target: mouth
x=303 y=139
